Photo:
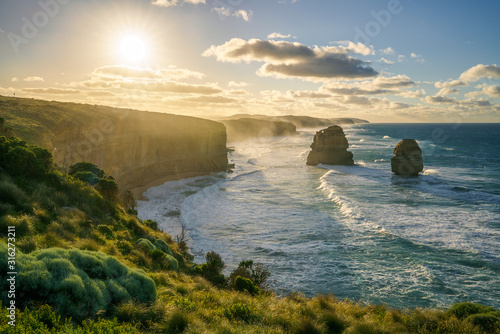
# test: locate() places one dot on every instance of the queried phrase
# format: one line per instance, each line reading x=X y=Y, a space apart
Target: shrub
x=88 y=177
x=86 y=167
x=258 y=273
x=211 y=270
x=333 y=323
x=307 y=326
x=106 y=230
x=108 y=188
x=12 y=194
x=238 y=311
x=487 y=321
x=78 y=283
x=177 y=323
x=245 y=284
x=463 y=310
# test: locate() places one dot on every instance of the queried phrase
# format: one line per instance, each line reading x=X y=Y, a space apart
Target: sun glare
x=133 y=48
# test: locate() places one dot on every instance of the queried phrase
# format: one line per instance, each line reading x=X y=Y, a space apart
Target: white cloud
x=53 y=91
x=440 y=99
x=412 y=94
x=492 y=91
x=452 y=83
x=385 y=61
x=170 y=3
x=388 y=51
x=287 y=59
x=481 y=71
x=279 y=35
x=14 y=79
x=237 y=84
x=398 y=81
x=447 y=91
x=357 y=88
x=122 y=71
x=226 y=12
x=307 y=94
x=351 y=47
x=245 y=15
x=32 y=79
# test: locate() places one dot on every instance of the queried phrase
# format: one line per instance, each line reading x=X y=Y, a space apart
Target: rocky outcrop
x=330 y=148
x=136 y=147
x=246 y=128
x=408 y=159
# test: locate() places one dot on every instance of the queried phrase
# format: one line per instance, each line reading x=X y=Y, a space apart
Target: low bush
x=77 y=283
x=245 y=284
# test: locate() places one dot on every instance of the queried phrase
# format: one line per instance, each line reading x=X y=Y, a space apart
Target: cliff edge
x=136 y=147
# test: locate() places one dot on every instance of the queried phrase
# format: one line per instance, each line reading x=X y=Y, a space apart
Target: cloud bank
x=287 y=59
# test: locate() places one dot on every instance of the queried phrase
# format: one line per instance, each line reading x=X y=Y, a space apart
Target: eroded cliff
x=136 y=147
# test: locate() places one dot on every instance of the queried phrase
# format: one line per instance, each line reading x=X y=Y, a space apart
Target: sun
x=133 y=48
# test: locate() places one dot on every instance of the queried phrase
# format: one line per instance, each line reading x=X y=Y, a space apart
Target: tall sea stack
x=330 y=148
x=408 y=159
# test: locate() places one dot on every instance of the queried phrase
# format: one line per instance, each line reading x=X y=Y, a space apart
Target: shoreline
x=139 y=191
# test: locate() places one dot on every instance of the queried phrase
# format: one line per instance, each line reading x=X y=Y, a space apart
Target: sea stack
x=330 y=148
x=408 y=159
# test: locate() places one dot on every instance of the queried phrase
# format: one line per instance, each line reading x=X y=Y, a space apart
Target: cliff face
x=136 y=147
x=330 y=147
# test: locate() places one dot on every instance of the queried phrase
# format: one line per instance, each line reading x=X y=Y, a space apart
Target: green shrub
x=212 y=269
x=77 y=283
x=487 y=321
x=258 y=274
x=333 y=323
x=463 y=310
x=108 y=188
x=43 y=319
x=238 y=311
x=10 y=193
x=177 y=323
x=106 y=230
x=146 y=245
x=162 y=245
x=151 y=224
x=245 y=284
x=84 y=167
x=307 y=326
x=88 y=177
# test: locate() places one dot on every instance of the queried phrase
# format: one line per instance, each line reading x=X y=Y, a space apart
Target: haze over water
x=358 y=232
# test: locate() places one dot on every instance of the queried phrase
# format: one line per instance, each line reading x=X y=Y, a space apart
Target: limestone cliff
x=136 y=147
x=330 y=147
x=408 y=159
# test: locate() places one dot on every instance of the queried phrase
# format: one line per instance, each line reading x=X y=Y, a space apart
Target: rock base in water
x=330 y=148
x=408 y=159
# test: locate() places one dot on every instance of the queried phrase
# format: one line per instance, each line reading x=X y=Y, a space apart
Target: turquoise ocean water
x=358 y=232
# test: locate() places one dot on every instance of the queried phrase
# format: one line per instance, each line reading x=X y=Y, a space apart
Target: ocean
x=357 y=232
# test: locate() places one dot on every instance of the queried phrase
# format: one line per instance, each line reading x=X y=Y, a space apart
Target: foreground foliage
x=87 y=264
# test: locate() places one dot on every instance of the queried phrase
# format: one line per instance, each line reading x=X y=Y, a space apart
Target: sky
x=383 y=61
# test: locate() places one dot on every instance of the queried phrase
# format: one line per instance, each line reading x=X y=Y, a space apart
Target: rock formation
x=136 y=147
x=330 y=148
x=408 y=159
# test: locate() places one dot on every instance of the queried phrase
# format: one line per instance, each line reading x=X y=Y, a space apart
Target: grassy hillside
x=86 y=264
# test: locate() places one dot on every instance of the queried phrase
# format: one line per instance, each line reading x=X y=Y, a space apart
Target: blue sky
x=385 y=61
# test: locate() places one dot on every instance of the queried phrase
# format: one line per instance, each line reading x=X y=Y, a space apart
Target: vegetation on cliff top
x=87 y=264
